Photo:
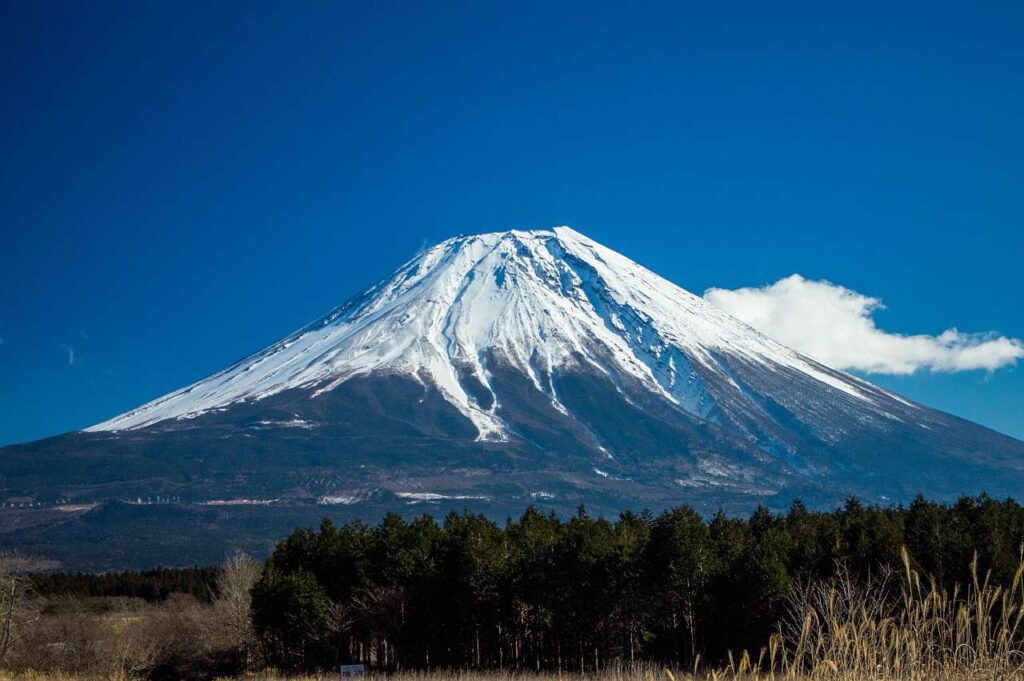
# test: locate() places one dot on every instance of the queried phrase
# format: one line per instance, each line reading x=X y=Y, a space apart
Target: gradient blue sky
x=181 y=185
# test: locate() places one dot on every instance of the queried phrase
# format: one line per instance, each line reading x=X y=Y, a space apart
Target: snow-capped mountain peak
x=516 y=368
x=537 y=300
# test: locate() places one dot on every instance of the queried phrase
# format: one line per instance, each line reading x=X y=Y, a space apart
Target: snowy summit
x=538 y=300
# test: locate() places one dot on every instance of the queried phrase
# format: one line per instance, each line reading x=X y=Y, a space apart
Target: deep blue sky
x=181 y=185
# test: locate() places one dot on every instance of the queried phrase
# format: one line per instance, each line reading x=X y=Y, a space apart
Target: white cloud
x=71 y=354
x=834 y=325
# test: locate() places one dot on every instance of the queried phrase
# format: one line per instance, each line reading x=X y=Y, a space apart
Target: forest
x=536 y=593
x=546 y=593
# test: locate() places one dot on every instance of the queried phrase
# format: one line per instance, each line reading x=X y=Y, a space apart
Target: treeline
x=582 y=593
x=149 y=585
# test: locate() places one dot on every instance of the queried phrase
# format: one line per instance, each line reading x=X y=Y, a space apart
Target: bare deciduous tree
x=232 y=610
x=16 y=608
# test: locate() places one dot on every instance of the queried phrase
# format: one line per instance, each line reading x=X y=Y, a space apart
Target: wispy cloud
x=835 y=325
x=71 y=354
x=424 y=246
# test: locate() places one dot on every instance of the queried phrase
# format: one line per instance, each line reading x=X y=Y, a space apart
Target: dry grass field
x=608 y=675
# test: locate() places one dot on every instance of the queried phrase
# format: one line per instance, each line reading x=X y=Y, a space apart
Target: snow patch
x=341 y=500
x=292 y=423
x=419 y=497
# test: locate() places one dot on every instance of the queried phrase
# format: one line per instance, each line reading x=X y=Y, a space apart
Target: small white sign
x=352 y=669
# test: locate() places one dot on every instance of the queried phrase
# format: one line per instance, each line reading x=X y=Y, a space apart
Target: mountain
x=504 y=369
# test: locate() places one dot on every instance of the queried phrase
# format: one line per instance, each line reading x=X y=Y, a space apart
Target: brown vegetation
x=127 y=638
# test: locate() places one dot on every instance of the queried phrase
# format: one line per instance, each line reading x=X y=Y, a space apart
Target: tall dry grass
x=842 y=629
